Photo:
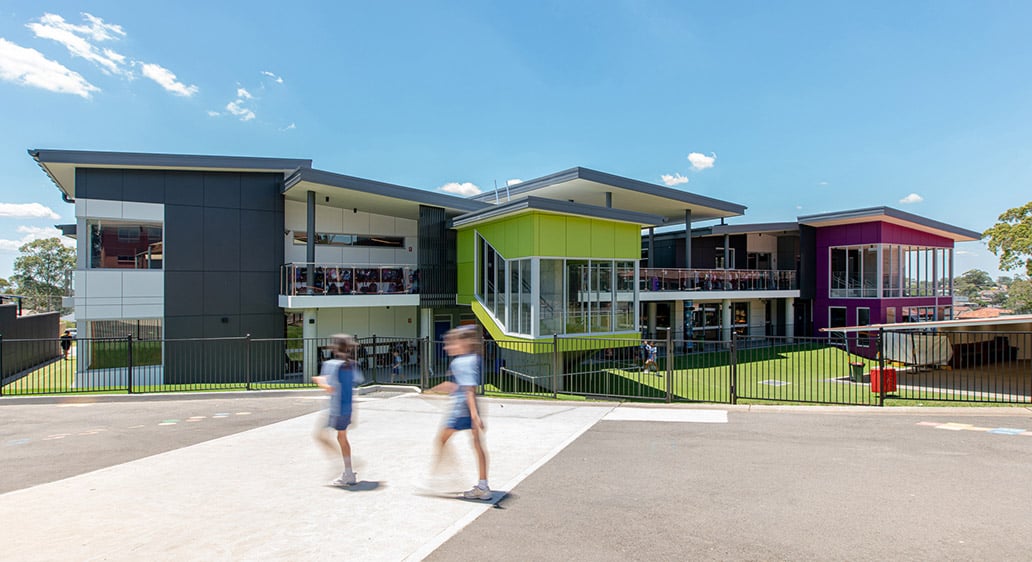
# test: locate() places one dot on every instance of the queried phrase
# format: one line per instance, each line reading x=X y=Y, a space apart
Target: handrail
x=659 y=279
x=349 y=279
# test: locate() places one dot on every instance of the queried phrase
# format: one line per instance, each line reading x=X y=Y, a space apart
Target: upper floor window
x=125 y=245
x=889 y=270
x=352 y=240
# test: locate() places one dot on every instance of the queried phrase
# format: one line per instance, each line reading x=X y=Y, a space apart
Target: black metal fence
x=903 y=366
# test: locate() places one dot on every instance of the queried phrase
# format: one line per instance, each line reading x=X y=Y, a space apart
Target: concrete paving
x=576 y=481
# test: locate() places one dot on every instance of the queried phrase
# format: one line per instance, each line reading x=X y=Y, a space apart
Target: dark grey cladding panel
x=261 y=240
x=222 y=190
x=225 y=326
x=184 y=188
x=184 y=238
x=261 y=192
x=144 y=186
x=99 y=183
x=184 y=294
x=258 y=292
x=263 y=326
x=221 y=239
x=221 y=292
x=181 y=327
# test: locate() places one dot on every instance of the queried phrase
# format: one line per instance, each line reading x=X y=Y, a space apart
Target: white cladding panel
x=396 y=322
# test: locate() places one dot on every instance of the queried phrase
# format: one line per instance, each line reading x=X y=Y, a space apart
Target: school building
x=200 y=246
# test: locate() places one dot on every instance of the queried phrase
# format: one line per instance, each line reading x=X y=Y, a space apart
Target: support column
x=652 y=235
x=426 y=323
x=677 y=320
x=609 y=199
x=687 y=238
x=727 y=252
x=725 y=320
x=310 y=245
x=651 y=308
x=789 y=319
x=309 y=331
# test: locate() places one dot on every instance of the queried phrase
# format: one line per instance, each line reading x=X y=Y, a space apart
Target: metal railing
x=348 y=279
x=894 y=367
x=670 y=279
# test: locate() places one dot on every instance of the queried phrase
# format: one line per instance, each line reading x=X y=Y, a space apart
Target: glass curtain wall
x=903 y=271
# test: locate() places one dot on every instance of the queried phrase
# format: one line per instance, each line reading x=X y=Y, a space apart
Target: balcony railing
x=348 y=279
x=669 y=279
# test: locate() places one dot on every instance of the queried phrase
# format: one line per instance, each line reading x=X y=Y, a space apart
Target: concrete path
x=260 y=494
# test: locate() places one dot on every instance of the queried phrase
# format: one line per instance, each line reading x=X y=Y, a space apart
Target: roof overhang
x=583 y=185
x=892 y=216
x=939 y=324
x=348 y=192
x=60 y=165
x=529 y=204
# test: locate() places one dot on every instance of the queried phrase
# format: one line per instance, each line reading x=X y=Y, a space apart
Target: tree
x=1019 y=297
x=1011 y=238
x=41 y=273
x=972 y=282
x=5 y=285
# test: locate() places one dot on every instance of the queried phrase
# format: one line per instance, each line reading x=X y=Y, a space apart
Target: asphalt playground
x=239 y=477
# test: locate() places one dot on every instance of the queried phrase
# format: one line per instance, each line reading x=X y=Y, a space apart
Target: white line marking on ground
x=623 y=413
x=452 y=530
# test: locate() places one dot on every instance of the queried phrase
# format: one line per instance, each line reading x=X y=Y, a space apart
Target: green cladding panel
x=466 y=250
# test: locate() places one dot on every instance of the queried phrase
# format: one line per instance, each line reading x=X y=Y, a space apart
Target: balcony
x=772 y=283
x=348 y=285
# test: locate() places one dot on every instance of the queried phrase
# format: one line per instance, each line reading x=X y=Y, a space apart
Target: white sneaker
x=477 y=493
x=345 y=479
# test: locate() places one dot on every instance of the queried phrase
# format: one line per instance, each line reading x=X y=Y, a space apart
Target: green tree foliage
x=5 y=285
x=1011 y=238
x=1019 y=297
x=41 y=273
x=971 y=282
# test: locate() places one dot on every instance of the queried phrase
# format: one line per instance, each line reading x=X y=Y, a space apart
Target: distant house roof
x=987 y=312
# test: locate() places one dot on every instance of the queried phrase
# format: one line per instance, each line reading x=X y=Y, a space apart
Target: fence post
x=669 y=365
x=1 y=365
x=734 y=368
x=881 y=366
x=424 y=363
x=375 y=359
x=555 y=366
x=129 y=358
x=247 y=360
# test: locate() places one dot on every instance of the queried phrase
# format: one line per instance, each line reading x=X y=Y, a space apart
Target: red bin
x=883 y=380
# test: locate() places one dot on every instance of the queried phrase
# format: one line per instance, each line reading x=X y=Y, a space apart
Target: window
x=863 y=318
x=740 y=317
x=837 y=319
x=351 y=240
x=125 y=245
x=720 y=258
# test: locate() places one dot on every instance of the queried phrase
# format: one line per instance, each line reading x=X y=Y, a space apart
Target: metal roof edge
x=333 y=179
x=556 y=206
x=162 y=160
x=872 y=212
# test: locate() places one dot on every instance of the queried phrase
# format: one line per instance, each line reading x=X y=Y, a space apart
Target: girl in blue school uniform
x=338 y=377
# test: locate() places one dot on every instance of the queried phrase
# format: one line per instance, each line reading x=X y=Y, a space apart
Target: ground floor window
x=863 y=318
x=837 y=319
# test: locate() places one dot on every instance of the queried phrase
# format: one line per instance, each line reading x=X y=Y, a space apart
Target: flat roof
x=349 y=192
x=60 y=165
x=583 y=185
x=531 y=203
x=894 y=216
x=961 y=323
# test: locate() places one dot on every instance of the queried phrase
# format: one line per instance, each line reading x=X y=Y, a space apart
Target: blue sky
x=789 y=108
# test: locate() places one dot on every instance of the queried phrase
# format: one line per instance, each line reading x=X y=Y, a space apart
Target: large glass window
x=358 y=240
x=125 y=245
x=903 y=271
x=625 y=312
x=551 y=298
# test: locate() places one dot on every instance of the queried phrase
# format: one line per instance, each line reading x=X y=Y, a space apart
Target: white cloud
x=29 y=67
x=822 y=183
x=275 y=78
x=32 y=233
x=167 y=79
x=672 y=180
x=236 y=108
x=27 y=211
x=513 y=182
x=466 y=188
x=912 y=198
x=244 y=94
x=963 y=253
x=289 y=127
x=76 y=38
x=213 y=113
x=700 y=161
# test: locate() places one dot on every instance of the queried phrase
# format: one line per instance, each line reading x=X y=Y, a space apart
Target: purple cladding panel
x=882 y=310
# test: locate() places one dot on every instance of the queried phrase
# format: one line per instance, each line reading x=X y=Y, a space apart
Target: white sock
x=347 y=464
x=483 y=485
